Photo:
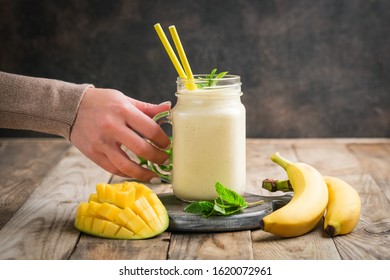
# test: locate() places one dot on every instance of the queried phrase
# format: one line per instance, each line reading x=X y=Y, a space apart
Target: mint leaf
x=211 y=79
x=214 y=80
x=204 y=208
x=221 y=75
x=225 y=211
x=230 y=196
x=212 y=74
x=221 y=203
x=227 y=203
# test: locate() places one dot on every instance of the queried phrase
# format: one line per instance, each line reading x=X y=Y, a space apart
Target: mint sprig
x=203 y=208
x=227 y=203
x=211 y=79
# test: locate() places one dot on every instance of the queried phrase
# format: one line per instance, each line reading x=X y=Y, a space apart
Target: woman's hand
x=106 y=120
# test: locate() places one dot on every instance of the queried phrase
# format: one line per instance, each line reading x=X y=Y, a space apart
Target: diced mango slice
x=98 y=226
x=101 y=191
x=142 y=190
x=82 y=209
x=125 y=198
x=93 y=207
x=129 y=210
x=87 y=223
x=137 y=224
x=155 y=224
x=124 y=233
x=93 y=197
x=108 y=211
x=144 y=233
x=111 y=229
x=125 y=217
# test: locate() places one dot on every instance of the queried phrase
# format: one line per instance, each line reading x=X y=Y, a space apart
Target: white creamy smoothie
x=208 y=140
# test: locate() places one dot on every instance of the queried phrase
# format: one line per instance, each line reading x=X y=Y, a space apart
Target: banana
x=344 y=207
x=307 y=206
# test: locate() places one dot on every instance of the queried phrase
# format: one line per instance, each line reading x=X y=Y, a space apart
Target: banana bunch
x=314 y=195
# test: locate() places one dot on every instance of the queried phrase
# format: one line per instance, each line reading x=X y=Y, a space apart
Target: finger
x=151 y=109
x=147 y=127
x=125 y=165
x=140 y=146
x=104 y=162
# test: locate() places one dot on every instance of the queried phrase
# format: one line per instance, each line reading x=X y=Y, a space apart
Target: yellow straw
x=180 y=50
x=182 y=55
x=170 y=51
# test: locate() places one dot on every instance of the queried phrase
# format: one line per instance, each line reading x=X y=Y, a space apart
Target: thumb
x=151 y=109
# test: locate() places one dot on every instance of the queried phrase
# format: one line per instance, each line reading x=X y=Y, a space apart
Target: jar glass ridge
x=228 y=81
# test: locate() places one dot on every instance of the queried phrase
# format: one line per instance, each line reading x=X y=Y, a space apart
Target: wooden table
x=43 y=180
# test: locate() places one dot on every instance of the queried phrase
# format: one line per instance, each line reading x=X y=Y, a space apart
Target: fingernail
x=166 y=103
x=155 y=180
x=167 y=162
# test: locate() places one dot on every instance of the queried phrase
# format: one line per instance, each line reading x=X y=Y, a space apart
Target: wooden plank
x=311 y=246
x=375 y=159
x=365 y=242
x=211 y=246
x=23 y=165
x=265 y=245
x=93 y=248
x=43 y=227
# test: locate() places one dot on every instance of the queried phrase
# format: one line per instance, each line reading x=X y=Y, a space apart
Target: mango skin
x=128 y=210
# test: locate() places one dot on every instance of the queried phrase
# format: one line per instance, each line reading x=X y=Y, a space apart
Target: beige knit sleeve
x=39 y=104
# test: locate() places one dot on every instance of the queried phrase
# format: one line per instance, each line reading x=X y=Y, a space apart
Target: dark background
x=309 y=68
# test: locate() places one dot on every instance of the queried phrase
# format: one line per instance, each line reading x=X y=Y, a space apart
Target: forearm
x=39 y=104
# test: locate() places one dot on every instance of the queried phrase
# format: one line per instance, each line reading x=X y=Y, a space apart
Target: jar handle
x=163 y=171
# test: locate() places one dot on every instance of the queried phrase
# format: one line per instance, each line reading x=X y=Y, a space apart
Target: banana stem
x=274 y=185
x=278 y=159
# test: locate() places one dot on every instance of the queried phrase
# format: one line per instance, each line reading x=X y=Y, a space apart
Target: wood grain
x=23 y=166
x=92 y=248
x=211 y=246
x=375 y=159
x=43 y=227
x=311 y=246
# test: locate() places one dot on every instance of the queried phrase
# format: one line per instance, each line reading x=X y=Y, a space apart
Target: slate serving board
x=249 y=218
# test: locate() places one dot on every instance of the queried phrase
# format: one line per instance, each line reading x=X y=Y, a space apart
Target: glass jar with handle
x=208 y=137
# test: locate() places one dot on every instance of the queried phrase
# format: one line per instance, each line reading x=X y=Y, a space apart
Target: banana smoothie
x=208 y=140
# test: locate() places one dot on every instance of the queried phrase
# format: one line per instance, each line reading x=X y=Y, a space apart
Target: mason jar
x=208 y=137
